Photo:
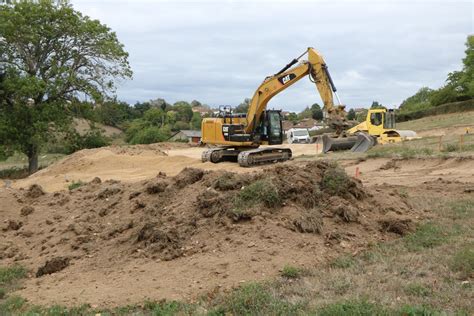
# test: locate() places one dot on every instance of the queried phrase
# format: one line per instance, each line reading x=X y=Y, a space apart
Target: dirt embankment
x=112 y=243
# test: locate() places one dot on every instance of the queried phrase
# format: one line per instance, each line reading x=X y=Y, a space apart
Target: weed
x=410 y=310
x=75 y=184
x=463 y=262
x=11 y=304
x=450 y=148
x=416 y=289
x=291 y=272
x=462 y=209
x=340 y=286
x=260 y=191
x=335 y=181
x=342 y=262
x=255 y=299
x=427 y=235
x=10 y=274
x=403 y=193
x=169 y=308
x=353 y=308
x=3 y=293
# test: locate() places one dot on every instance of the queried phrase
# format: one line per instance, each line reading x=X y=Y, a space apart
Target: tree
x=351 y=115
x=468 y=70
x=184 y=111
x=243 y=107
x=306 y=113
x=419 y=101
x=316 y=112
x=196 y=121
x=50 y=54
x=376 y=105
x=292 y=117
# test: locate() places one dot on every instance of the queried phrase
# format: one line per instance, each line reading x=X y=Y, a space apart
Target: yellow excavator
x=238 y=136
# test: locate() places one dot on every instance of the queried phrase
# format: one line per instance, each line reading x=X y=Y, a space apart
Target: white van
x=298 y=135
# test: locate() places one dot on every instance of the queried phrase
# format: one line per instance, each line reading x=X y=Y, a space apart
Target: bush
x=75 y=185
x=462 y=106
x=343 y=262
x=150 y=135
x=291 y=272
x=335 y=181
x=261 y=191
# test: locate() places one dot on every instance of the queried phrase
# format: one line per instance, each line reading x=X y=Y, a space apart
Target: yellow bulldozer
x=378 y=128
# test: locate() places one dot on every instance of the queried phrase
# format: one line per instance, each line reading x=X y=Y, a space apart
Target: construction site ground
x=152 y=222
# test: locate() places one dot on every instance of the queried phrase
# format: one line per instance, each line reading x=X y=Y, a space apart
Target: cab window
x=376 y=119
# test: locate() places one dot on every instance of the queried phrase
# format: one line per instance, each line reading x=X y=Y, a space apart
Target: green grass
x=463 y=262
x=462 y=209
x=342 y=262
x=439 y=121
x=428 y=235
x=75 y=185
x=10 y=274
x=416 y=289
x=255 y=299
x=257 y=193
x=335 y=181
x=291 y=272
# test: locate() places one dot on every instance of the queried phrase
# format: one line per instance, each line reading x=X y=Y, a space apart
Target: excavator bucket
x=338 y=143
x=364 y=142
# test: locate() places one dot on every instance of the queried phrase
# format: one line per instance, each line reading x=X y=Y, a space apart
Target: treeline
x=459 y=86
x=147 y=122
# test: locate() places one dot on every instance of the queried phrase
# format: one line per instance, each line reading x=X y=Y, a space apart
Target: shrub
x=150 y=135
x=291 y=272
x=261 y=191
x=75 y=185
x=335 y=181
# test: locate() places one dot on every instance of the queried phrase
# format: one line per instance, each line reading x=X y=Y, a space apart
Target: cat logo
x=286 y=78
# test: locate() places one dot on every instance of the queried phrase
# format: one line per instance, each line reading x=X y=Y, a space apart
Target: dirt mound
x=200 y=220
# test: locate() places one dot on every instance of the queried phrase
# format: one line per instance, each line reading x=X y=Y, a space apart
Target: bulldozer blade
x=364 y=142
x=340 y=143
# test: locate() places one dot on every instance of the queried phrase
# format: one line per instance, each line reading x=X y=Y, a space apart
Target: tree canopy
x=51 y=54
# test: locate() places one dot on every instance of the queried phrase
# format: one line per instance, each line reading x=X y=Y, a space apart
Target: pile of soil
x=286 y=213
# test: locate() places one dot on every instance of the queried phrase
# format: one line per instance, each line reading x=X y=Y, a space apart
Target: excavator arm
x=318 y=73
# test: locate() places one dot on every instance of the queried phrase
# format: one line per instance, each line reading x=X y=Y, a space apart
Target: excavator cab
x=270 y=128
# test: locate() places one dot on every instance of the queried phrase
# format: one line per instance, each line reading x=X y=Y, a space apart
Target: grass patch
x=255 y=299
x=10 y=274
x=353 y=308
x=12 y=305
x=398 y=151
x=427 y=235
x=75 y=184
x=463 y=262
x=416 y=289
x=261 y=191
x=343 y=262
x=462 y=209
x=3 y=293
x=335 y=181
x=291 y=272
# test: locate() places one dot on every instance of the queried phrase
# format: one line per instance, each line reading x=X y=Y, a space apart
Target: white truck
x=298 y=136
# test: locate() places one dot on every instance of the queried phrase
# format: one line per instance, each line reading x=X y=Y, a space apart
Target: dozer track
x=247 y=157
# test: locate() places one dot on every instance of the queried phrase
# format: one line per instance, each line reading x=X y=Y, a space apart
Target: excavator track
x=258 y=156
x=220 y=154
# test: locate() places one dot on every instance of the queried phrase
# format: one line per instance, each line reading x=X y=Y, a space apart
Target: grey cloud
x=218 y=52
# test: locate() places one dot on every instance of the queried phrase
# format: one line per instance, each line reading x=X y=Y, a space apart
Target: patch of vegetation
x=343 y=262
x=335 y=181
x=261 y=191
x=255 y=299
x=3 y=293
x=398 y=151
x=75 y=185
x=427 y=235
x=291 y=272
x=10 y=274
x=12 y=305
x=353 y=308
x=463 y=262
x=416 y=289
x=462 y=209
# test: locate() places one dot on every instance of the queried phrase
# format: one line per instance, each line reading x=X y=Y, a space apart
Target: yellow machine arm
x=318 y=73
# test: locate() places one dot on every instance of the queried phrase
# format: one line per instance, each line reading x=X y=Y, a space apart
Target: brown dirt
x=111 y=243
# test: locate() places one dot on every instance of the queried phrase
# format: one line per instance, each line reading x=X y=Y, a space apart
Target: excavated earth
x=110 y=243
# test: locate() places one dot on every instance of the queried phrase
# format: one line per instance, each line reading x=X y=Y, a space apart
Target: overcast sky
x=218 y=52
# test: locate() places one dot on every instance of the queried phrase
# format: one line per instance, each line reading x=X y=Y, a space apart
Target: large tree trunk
x=32 y=159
